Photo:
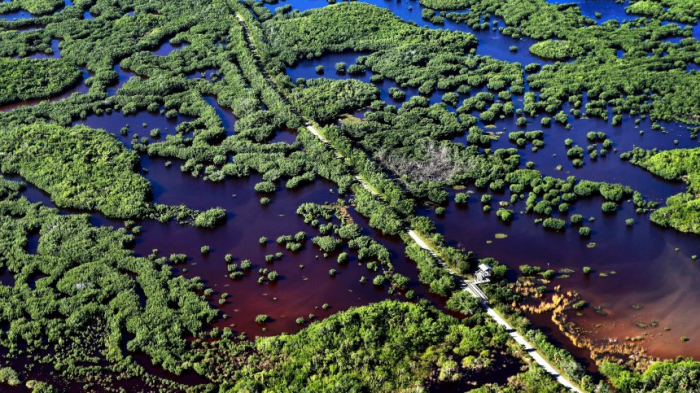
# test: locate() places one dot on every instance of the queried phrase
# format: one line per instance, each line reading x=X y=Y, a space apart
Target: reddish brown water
x=649 y=270
x=298 y=292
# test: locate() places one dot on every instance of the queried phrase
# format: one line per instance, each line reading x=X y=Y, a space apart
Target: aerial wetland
x=371 y=195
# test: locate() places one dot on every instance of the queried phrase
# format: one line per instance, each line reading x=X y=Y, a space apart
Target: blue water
x=491 y=43
x=55 y=52
x=695 y=27
x=226 y=115
x=124 y=76
x=16 y=15
x=139 y=124
x=609 y=9
x=166 y=48
x=609 y=168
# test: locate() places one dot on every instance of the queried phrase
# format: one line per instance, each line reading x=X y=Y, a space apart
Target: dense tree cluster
x=35 y=7
x=324 y=100
x=445 y=4
x=79 y=167
x=650 y=68
x=684 y=11
x=88 y=169
x=538 y=19
x=682 y=211
x=677 y=375
x=411 y=56
x=29 y=79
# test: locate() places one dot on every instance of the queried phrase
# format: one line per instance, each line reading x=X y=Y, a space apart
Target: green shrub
x=528 y=270
x=9 y=376
x=378 y=280
x=265 y=186
x=326 y=243
x=554 y=223
x=261 y=318
x=210 y=218
x=504 y=214
x=461 y=198
x=609 y=207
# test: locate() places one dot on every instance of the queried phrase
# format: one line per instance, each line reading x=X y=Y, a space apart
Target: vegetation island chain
x=349 y=195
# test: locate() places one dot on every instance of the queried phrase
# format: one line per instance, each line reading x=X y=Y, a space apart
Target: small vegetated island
x=405 y=135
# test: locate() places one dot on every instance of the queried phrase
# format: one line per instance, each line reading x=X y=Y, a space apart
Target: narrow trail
x=476 y=292
x=309 y=126
x=471 y=288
